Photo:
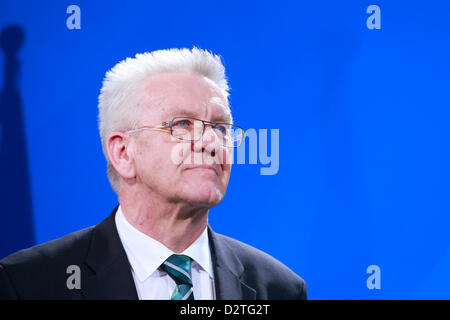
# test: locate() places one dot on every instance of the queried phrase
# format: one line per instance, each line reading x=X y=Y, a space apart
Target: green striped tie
x=179 y=268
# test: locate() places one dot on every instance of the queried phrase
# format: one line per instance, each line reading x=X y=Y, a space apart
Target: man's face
x=170 y=167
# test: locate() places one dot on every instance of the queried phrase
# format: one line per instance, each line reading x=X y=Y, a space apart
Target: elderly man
x=168 y=136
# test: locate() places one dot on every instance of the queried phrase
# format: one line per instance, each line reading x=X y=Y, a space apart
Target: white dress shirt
x=146 y=254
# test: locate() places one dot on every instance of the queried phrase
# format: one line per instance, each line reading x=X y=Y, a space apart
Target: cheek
x=153 y=159
x=226 y=174
x=224 y=158
x=180 y=153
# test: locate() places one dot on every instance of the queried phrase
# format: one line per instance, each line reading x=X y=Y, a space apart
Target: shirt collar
x=146 y=254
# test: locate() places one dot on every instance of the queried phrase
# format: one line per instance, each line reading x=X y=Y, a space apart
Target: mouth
x=205 y=168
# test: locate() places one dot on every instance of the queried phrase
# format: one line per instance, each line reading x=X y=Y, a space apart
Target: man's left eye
x=221 y=128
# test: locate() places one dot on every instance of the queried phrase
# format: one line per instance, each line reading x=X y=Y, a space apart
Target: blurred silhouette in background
x=16 y=218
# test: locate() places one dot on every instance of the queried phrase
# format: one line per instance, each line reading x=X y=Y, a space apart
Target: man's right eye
x=182 y=123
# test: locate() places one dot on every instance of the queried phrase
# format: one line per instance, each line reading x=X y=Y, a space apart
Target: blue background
x=363 y=118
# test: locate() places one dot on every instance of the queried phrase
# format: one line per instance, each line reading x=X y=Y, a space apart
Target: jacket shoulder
x=41 y=271
x=54 y=249
x=278 y=281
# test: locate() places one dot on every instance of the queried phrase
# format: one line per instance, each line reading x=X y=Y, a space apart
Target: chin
x=205 y=195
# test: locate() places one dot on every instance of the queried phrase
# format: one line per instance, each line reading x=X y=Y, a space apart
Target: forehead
x=184 y=94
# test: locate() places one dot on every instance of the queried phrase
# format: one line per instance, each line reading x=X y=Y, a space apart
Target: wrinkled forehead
x=190 y=95
x=211 y=111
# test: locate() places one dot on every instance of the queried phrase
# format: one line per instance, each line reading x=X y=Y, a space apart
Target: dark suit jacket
x=40 y=272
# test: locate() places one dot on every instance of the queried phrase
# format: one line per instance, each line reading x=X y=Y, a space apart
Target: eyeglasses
x=192 y=129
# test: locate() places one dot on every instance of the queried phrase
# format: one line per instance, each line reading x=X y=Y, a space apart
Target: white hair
x=123 y=86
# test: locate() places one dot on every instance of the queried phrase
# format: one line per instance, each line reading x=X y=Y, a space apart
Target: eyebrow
x=180 y=112
x=188 y=113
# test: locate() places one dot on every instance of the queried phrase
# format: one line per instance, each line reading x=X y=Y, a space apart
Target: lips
x=214 y=168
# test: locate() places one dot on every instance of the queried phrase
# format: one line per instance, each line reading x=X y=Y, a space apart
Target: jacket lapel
x=111 y=276
x=228 y=270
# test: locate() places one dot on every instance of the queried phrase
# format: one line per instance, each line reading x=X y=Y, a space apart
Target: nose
x=209 y=142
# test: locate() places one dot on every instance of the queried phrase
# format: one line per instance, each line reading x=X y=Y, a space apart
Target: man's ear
x=117 y=147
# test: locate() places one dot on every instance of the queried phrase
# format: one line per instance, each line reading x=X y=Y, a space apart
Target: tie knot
x=179 y=268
